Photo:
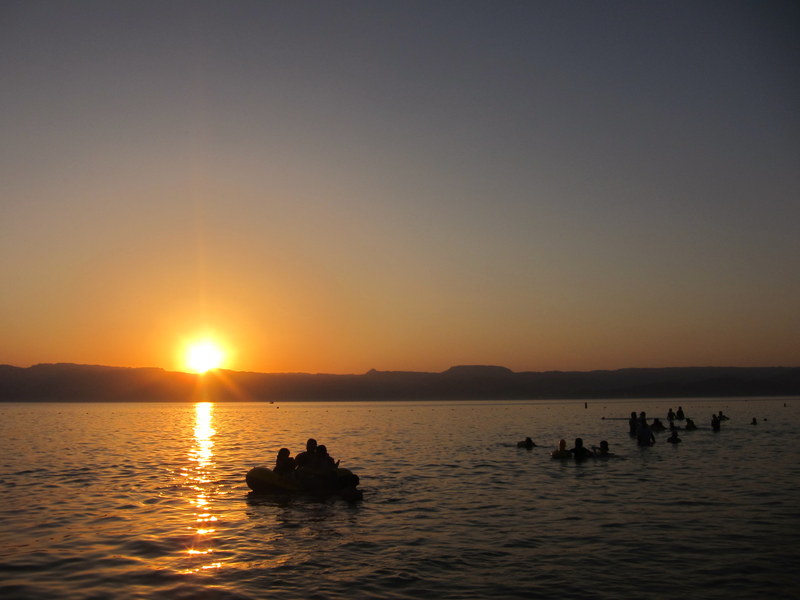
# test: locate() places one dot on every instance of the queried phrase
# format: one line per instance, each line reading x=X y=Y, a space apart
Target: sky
x=340 y=186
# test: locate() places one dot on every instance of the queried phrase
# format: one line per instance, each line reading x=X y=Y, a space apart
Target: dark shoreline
x=90 y=383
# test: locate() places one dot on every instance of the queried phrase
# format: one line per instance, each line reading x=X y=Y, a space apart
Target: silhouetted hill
x=69 y=382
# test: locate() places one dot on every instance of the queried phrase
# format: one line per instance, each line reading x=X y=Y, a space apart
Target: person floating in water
x=284 y=463
x=526 y=443
x=674 y=439
x=690 y=426
x=580 y=452
x=715 y=422
x=679 y=415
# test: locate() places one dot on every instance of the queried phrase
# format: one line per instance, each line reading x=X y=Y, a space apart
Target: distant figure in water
x=580 y=452
x=670 y=415
x=674 y=439
x=715 y=422
x=644 y=435
x=754 y=421
x=690 y=426
x=679 y=415
x=284 y=463
x=633 y=424
x=602 y=450
x=526 y=443
x=722 y=417
x=658 y=425
x=562 y=451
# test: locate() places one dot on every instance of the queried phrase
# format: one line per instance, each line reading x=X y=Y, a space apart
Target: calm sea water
x=149 y=501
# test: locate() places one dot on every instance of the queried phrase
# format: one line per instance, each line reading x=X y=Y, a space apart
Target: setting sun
x=204 y=356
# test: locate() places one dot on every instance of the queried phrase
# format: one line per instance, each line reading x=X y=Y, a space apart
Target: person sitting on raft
x=526 y=443
x=284 y=463
x=670 y=415
x=320 y=470
x=674 y=439
x=580 y=452
x=305 y=459
x=657 y=425
x=690 y=426
x=679 y=415
x=324 y=461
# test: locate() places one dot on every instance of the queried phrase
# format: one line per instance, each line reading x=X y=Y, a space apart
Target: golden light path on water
x=202 y=455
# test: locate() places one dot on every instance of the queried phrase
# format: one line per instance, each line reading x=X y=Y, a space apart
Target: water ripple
x=150 y=499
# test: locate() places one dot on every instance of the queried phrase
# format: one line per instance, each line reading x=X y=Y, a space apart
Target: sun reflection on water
x=201 y=457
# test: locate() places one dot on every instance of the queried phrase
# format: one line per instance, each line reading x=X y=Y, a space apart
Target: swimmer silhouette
x=562 y=451
x=602 y=451
x=580 y=452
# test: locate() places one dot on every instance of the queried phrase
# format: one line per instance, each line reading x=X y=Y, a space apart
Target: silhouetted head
x=322 y=450
x=283 y=453
x=562 y=445
x=311 y=445
x=578 y=442
x=604 y=445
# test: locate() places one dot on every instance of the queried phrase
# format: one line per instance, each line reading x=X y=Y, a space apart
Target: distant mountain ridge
x=71 y=382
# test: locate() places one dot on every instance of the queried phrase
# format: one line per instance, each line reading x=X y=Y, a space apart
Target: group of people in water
x=643 y=432
x=579 y=452
x=639 y=428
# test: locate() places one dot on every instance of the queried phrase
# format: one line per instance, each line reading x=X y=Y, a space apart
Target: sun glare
x=204 y=356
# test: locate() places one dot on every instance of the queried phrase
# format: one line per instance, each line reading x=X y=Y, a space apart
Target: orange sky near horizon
x=333 y=190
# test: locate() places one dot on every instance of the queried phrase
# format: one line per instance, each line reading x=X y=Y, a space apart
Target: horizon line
x=378 y=371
